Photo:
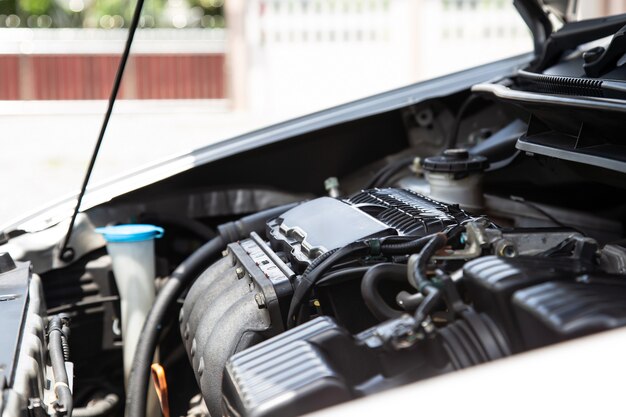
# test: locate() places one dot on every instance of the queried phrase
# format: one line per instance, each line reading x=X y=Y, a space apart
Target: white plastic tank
x=455 y=177
x=131 y=248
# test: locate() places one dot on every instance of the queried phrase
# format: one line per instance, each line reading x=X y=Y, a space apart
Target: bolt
x=508 y=251
x=428 y=327
x=416 y=166
x=332 y=186
x=225 y=253
x=67 y=255
x=505 y=249
x=34 y=403
x=260 y=300
x=240 y=272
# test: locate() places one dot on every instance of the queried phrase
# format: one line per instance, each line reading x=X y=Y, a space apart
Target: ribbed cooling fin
x=408 y=212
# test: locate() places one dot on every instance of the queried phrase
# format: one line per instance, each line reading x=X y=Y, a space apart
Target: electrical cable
x=539 y=210
x=404 y=248
x=453 y=134
x=384 y=174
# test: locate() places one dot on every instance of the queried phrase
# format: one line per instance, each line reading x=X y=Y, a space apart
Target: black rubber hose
x=394 y=169
x=345 y=274
x=408 y=301
x=418 y=278
x=239 y=229
x=417 y=265
x=64 y=403
x=381 y=177
x=317 y=261
x=188 y=270
x=195 y=227
x=405 y=248
x=183 y=275
x=319 y=266
x=369 y=289
x=99 y=407
x=432 y=296
x=453 y=135
x=307 y=281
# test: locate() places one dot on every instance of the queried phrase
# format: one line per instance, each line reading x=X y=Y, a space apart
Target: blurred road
x=46 y=145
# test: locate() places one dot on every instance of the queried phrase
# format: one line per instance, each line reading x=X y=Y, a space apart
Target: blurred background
x=205 y=70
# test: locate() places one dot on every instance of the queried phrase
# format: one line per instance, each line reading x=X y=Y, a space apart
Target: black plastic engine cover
x=492 y=281
x=408 y=212
x=540 y=301
x=319 y=364
x=286 y=375
x=556 y=311
x=313 y=228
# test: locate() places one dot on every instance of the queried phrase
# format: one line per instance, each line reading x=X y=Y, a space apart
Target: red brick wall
x=179 y=76
x=88 y=77
x=9 y=77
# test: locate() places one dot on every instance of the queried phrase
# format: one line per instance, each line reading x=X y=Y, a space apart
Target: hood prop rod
x=67 y=253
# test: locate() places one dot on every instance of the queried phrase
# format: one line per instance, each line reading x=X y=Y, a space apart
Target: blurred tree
x=7 y=7
x=109 y=14
x=209 y=13
x=35 y=7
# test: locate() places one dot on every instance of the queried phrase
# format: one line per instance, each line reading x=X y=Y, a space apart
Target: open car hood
x=536 y=16
x=540 y=16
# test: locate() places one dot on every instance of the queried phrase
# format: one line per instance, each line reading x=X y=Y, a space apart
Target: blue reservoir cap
x=130 y=232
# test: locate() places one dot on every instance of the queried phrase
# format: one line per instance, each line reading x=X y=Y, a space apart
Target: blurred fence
x=282 y=56
x=345 y=49
x=78 y=64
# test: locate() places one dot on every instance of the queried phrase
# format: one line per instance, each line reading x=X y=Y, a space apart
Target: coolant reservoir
x=455 y=177
x=131 y=248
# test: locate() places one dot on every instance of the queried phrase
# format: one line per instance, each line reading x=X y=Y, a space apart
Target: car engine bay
x=458 y=230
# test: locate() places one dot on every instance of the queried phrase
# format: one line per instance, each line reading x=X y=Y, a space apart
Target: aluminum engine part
x=234 y=304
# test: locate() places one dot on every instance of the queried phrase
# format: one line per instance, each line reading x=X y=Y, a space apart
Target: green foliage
x=110 y=7
x=7 y=7
x=35 y=7
x=107 y=13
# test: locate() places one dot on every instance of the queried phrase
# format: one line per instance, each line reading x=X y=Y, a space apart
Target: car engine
x=471 y=222
x=341 y=298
